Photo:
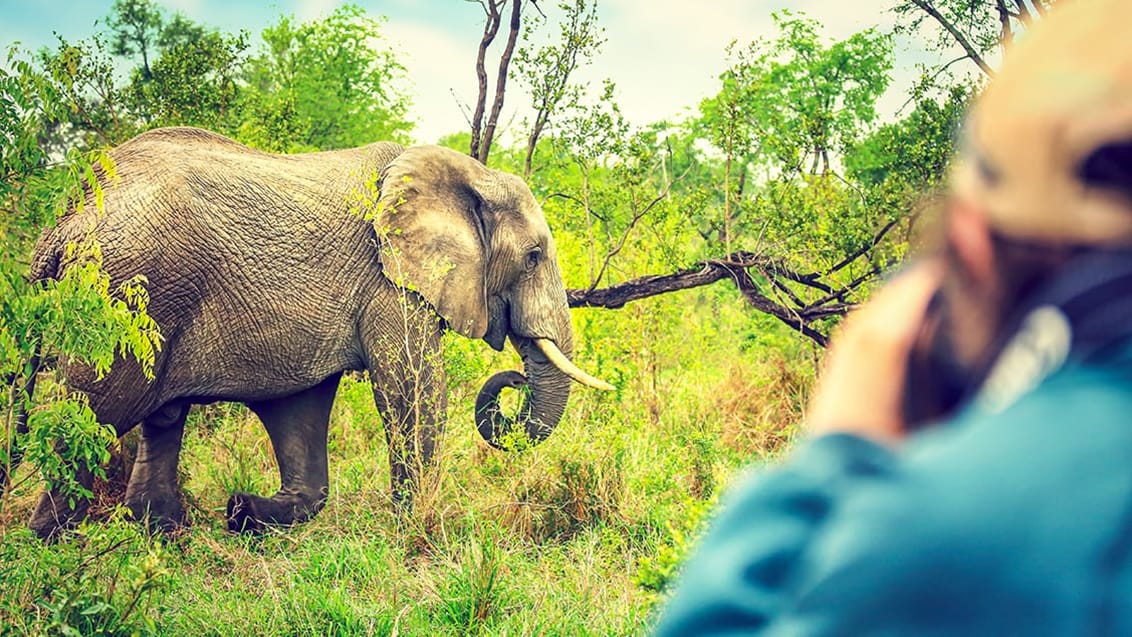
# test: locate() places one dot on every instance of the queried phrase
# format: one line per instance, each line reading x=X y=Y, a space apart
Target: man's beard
x=970 y=320
x=978 y=310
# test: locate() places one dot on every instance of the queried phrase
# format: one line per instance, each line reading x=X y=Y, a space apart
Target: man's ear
x=970 y=236
x=1110 y=167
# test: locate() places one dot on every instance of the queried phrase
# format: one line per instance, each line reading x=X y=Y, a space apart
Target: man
x=1012 y=514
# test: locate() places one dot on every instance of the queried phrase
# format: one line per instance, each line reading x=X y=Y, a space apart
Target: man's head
x=1046 y=168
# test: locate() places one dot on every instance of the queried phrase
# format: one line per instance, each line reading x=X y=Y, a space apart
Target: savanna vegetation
x=708 y=259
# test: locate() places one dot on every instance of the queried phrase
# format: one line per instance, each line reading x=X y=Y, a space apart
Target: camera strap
x=1083 y=315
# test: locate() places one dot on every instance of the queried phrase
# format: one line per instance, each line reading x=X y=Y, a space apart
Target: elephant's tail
x=44 y=266
x=19 y=420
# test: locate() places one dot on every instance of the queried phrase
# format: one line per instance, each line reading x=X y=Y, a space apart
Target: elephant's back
x=176 y=182
x=209 y=167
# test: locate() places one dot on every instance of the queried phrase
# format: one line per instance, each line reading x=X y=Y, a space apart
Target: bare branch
x=736 y=268
x=462 y=106
x=490 y=28
x=501 y=80
x=625 y=236
x=865 y=248
x=796 y=320
x=957 y=35
x=616 y=296
x=784 y=289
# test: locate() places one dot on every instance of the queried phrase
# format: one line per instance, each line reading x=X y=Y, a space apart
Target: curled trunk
x=542 y=407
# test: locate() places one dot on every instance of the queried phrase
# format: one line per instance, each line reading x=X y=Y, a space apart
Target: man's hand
x=860 y=390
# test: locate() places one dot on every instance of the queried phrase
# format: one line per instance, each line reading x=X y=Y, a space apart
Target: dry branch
x=737 y=267
x=956 y=34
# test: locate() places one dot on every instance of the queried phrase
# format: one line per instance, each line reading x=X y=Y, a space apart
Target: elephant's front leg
x=410 y=393
x=297 y=426
x=412 y=414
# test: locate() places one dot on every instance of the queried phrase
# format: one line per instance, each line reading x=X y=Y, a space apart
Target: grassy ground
x=577 y=536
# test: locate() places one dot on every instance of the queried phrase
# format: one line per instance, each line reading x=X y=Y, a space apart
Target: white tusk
x=547 y=347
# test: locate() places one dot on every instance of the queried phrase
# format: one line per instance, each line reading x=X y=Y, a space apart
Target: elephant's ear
x=432 y=233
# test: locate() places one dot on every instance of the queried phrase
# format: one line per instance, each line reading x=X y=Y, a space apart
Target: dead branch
x=972 y=53
x=501 y=81
x=735 y=267
x=490 y=28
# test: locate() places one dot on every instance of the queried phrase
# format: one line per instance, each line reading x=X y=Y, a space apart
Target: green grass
x=577 y=536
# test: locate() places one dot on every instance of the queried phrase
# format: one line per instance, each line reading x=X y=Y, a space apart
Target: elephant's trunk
x=542 y=408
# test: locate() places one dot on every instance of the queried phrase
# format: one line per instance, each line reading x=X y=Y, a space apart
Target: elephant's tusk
x=555 y=355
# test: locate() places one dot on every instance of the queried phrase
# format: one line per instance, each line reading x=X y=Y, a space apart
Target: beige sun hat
x=1064 y=90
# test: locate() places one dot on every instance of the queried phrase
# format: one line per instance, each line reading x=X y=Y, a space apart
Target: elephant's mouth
x=545 y=350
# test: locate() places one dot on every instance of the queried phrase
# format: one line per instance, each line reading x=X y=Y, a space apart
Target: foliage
x=80 y=316
x=311 y=86
x=192 y=83
x=105 y=582
x=793 y=102
x=186 y=76
x=29 y=195
x=913 y=151
x=547 y=71
x=657 y=572
x=330 y=83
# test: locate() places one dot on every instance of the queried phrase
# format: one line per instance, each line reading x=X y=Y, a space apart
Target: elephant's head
x=474 y=243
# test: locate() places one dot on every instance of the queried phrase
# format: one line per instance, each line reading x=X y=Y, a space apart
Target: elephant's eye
x=533 y=257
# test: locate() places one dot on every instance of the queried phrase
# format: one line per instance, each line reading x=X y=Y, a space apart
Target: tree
x=186 y=76
x=192 y=83
x=324 y=84
x=547 y=71
x=135 y=27
x=978 y=27
x=787 y=111
x=83 y=76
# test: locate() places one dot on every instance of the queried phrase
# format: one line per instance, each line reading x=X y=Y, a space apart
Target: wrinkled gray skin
x=267 y=285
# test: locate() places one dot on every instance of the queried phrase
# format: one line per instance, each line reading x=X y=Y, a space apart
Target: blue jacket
x=1010 y=523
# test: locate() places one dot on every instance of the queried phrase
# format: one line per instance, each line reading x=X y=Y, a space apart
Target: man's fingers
x=861 y=388
x=895 y=312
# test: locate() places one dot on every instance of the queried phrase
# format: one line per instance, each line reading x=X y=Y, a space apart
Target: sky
x=665 y=56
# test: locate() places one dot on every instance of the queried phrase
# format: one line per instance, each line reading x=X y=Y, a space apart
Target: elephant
x=271 y=275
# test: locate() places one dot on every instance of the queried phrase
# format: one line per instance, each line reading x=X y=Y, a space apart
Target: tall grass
x=577 y=536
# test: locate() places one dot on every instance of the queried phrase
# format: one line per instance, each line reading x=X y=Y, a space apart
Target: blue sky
x=664 y=55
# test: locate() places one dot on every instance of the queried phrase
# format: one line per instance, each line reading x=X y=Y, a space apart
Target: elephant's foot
x=402 y=500
x=165 y=514
x=53 y=515
x=252 y=514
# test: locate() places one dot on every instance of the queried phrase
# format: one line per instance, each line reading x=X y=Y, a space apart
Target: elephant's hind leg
x=297 y=427
x=152 y=493
x=56 y=512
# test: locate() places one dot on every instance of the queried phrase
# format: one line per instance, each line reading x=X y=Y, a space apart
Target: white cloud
x=187 y=7
x=306 y=10
x=438 y=64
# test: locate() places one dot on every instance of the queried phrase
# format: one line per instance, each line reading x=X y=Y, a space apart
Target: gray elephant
x=271 y=275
